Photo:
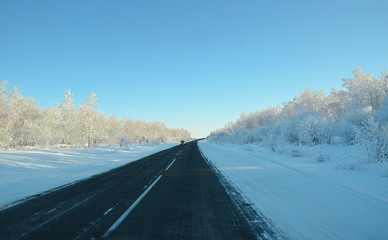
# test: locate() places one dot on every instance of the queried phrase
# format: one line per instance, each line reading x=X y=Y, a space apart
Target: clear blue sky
x=191 y=64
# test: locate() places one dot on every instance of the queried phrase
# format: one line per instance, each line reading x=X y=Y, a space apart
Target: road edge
x=263 y=227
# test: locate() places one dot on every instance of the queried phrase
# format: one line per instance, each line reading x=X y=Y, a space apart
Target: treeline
x=23 y=123
x=356 y=115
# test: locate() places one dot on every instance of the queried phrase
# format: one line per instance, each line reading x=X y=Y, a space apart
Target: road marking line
x=129 y=210
x=56 y=216
x=170 y=164
x=107 y=211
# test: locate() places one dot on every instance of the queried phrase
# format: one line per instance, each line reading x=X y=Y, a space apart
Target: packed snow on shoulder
x=28 y=172
x=321 y=192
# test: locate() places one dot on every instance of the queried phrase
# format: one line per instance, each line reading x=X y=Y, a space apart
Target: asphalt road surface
x=173 y=194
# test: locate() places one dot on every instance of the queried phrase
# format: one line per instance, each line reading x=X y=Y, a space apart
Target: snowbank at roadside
x=27 y=172
x=322 y=192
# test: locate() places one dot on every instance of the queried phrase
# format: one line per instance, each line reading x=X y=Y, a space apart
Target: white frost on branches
x=24 y=124
x=356 y=115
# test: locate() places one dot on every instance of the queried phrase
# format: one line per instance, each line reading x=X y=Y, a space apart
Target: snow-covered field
x=335 y=197
x=27 y=172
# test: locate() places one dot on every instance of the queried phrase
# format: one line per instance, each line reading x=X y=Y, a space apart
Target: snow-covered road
x=303 y=198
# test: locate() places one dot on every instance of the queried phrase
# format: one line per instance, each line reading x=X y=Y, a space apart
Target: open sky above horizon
x=191 y=64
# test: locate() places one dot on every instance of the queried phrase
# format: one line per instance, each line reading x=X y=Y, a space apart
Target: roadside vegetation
x=24 y=124
x=358 y=114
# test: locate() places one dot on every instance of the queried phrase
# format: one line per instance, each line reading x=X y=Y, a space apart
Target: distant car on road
x=183 y=142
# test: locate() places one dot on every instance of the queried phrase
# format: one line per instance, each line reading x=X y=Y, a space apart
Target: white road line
x=107 y=211
x=56 y=216
x=170 y=164
x=129 y=210
x=173 y=160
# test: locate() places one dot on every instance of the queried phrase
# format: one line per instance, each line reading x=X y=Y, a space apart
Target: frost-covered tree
x=373 y=133
x=4 y=125
x=364 y=90
x=68 y=119
x=358 y=114
x=21 y=120
x=23 y=123
x=308 y=101
x=50 y=126
x=87 y=121
x=384 y=81
x=337 y=103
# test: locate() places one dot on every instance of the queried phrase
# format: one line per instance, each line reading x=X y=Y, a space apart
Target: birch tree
x=68 y=119
x=87 y=120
